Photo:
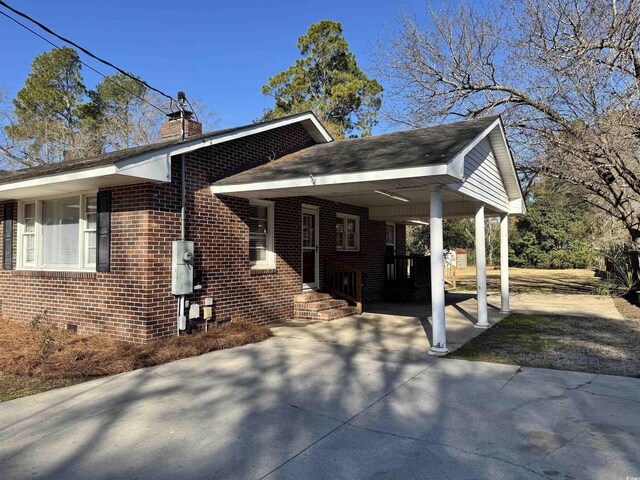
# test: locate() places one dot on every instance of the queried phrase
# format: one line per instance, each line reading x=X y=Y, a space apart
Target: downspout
x=183 y=228
x=183 y=203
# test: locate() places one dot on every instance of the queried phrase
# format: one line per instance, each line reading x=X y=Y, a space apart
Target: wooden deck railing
x=410 y=270
x=343 y=280
x=450 y=273
x=407 y=270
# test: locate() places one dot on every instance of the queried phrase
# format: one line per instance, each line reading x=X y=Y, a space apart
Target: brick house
x=268 y=210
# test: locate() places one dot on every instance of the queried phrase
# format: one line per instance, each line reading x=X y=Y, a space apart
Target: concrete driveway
x=292 y=408
x=406 y=326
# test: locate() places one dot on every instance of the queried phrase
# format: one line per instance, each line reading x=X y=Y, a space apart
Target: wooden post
x=359 y=291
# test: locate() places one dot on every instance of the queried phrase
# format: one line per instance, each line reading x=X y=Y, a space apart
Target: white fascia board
x=149 y=167
x=517 y=207
x=60 y=178
x=337 y=179
x=457 y=162
x=508 y=164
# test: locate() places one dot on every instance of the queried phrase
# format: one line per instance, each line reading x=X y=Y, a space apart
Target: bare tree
x=565 y=75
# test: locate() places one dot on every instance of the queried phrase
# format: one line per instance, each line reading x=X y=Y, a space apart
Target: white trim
x=315 y=211
x=59 y=178
x=345 y=217
x=37 y=265
x=21 y=233
x=335 y=179
x=522 y=207
x=84 y=230
x=270 y=261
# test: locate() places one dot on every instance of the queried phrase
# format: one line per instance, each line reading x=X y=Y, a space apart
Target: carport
x=458 y=170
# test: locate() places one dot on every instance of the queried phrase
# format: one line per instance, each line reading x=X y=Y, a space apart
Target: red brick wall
x=111 y=303
x=134 y=302
x=401 y=239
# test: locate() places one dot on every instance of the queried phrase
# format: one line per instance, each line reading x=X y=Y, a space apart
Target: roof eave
x=312 y=182
x=151 y=166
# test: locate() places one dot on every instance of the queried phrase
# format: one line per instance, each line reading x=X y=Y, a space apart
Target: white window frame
x=395 y=236
x=344 y=248
x=22 y=232
x=270 y=261
x=82 y=265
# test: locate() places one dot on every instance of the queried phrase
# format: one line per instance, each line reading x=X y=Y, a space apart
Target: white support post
x=504 y=264
x=439 y=336
x=481 y=270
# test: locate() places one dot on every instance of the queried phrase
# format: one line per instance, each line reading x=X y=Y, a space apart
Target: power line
x=84 y=50
x=86 y=64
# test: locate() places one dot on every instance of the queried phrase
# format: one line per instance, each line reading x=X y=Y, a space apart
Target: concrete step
x=335 y=313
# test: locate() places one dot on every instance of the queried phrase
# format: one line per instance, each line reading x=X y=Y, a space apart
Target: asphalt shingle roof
x=406 y=149
x=111 y=158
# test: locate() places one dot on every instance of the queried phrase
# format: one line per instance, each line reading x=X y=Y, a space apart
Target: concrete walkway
x=293 y=408
x=407 y=327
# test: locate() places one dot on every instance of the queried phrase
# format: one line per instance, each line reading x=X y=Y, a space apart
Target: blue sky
x=219 y=53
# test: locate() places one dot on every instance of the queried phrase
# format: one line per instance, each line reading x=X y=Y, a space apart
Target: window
x=261 y=234
x=391 y=238
x=391 y=234
x=58 y=233
x=90 y=225
x=347 y=232
x=29 y=234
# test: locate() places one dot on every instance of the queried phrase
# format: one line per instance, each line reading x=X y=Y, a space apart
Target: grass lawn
x=16 y=386
x=531 y=280
x=36 y=358
x=582 y=344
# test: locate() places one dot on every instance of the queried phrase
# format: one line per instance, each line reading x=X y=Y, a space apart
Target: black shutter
x=103 y=245
x=7 y=237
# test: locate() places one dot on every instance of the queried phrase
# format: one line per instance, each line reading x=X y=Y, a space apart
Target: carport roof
x=406 y=149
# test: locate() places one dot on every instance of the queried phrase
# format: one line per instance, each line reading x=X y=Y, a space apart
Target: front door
x=310 y=240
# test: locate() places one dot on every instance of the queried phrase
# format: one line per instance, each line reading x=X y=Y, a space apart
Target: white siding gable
x=482 y=179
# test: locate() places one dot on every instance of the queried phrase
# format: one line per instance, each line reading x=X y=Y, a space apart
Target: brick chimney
x=172 y=129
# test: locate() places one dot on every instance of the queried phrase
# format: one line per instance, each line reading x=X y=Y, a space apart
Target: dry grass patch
x=533 y=280
x=583 y=344
x=41 y=353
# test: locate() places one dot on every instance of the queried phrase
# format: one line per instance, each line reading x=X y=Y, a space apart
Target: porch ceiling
x=386 y=208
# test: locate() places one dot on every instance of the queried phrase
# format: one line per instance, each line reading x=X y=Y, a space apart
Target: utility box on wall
x=182 y=268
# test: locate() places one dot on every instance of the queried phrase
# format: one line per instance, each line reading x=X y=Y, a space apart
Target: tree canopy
x=564 y=75
x=55 y=117
x=46 y=108
x=328 y=81
x=557 y=232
